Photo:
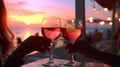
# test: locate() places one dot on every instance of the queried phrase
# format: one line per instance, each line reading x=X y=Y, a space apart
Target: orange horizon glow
x=27 y=19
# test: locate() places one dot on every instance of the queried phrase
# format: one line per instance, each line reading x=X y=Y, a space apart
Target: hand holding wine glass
x=72 y=32
x=83 y=47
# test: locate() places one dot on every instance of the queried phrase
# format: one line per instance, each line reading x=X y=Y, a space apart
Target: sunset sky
x=32 y=11
x=26 y=15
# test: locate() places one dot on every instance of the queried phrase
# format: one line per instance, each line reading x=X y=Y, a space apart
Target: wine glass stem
x=51 y=56
x=72 y=57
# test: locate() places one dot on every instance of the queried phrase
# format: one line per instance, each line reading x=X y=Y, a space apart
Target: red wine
x=51 y=32
x=73 y=35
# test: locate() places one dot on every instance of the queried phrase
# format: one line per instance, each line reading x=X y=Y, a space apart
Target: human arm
x=32 y=43
x=85 y=49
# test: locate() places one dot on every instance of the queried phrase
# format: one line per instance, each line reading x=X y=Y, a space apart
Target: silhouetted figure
x=107 y=34
x=37 y=34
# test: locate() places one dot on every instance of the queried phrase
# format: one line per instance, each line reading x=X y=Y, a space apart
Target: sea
x=99 y=29
x=24 y=33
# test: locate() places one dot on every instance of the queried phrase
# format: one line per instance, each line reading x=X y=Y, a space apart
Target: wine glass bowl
x=51 y=32
x=72 y=32
x=51 y=29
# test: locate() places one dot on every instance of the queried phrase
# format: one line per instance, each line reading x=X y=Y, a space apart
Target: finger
x=45 y=39
x=45 y=42
x=46 y=47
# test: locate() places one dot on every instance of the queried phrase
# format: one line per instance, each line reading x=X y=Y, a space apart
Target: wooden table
x=39 y=63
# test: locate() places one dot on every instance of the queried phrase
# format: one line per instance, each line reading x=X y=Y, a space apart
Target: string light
x=72 y=21
x=105 y=9
x=97 y=11
x=109 y=19
x=110 y=23
x=102 y=22
x=90 y=19
x=94 y=9
x=119 y=19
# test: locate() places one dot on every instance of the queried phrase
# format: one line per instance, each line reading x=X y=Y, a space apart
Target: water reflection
x=27 y=34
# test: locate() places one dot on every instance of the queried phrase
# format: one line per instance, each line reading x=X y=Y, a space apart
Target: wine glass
x=72 y=32
x=51 y=29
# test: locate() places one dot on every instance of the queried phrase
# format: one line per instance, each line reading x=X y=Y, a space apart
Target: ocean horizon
x=25 y=32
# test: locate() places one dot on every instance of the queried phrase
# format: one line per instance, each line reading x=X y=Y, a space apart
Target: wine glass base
x=51 y=64
x=72 y=64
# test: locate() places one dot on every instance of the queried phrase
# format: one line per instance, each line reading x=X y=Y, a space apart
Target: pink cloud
x=50 y=6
